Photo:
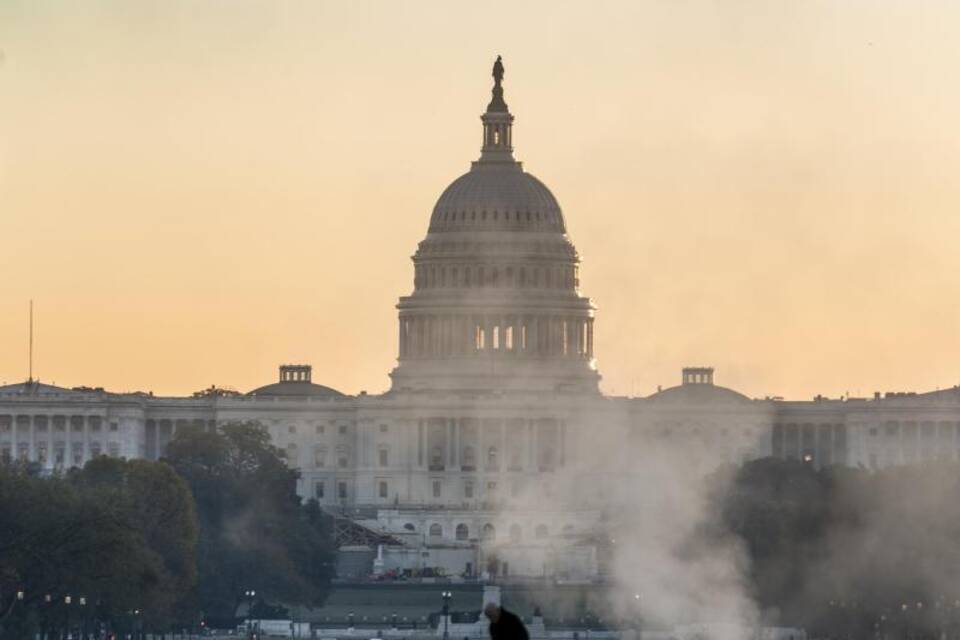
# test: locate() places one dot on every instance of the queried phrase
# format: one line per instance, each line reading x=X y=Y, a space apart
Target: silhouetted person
x=504 y=625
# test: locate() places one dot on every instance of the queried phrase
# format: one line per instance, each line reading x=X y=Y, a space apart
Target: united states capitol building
x=495 y=395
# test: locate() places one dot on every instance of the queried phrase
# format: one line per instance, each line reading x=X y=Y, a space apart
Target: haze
x=195 y=192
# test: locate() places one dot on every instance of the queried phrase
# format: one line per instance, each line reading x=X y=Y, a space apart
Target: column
x=421 y=445
x=590 y=338
x=31 y=438
x=451 y=451
x=563 y=443
x=13 y=436
x=533 y=335
x=530 y=459
x=457 y=441
x=502 y=456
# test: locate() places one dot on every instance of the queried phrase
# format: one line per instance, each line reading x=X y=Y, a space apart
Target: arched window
x=436 y=531
x=515 y=533
x=489 y=532
x=541 y=531
x=463 y=533
x=493 y=462
x=469 y=458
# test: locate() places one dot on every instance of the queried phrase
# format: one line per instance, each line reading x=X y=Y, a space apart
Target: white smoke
x=653 y=495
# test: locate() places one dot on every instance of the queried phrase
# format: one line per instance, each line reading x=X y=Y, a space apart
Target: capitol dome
x=496 y=303
x=497 y=196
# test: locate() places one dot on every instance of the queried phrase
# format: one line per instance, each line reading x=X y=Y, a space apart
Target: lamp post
x=250 y=595
x=638 y=602
x=83 y=614
x=47 y=600
x=66 y=605
x=446 y=595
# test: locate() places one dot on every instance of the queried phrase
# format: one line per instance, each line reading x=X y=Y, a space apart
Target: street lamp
x=446 y=595
x=66 y=606
x=638 y=600
x=250 y=594
x=83 y=614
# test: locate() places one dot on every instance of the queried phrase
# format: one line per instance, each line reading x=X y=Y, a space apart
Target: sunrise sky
x=194 y=192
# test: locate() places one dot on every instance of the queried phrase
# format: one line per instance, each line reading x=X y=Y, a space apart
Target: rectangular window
x=342 y=462
x=114 y=426
x=318 y=490
x=292 y=430
x=508 y=338
x=468 y=489
x=343 y=429
x=383 y=457
x=320 y=429
x=342 y=490
x=384 y=490
x=384 y=428
x=437 y=489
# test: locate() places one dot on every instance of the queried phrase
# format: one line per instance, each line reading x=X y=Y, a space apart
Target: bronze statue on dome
x=498 y=70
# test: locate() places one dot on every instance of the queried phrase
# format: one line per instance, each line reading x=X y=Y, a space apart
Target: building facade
x=494 y=398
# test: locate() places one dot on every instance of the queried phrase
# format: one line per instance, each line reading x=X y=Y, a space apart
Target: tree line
x=137 y=545
x=849 y=553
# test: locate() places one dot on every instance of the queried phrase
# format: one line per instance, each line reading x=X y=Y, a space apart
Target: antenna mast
x=30 y=374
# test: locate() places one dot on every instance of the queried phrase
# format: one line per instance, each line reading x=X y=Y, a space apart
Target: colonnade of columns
x=820 y=444
x=491 y=445
x=433 y=336
x=56 y=440
x=431 y=276
x=159 y=432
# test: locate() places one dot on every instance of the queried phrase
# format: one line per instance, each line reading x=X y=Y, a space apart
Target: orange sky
x=196 y=191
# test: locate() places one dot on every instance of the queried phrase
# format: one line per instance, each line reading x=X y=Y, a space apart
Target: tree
x=254 y=532
x=849 y=552
x=158 y=505
x=91 y=536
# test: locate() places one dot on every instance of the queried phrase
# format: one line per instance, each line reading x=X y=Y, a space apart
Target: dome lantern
x=497 y=123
